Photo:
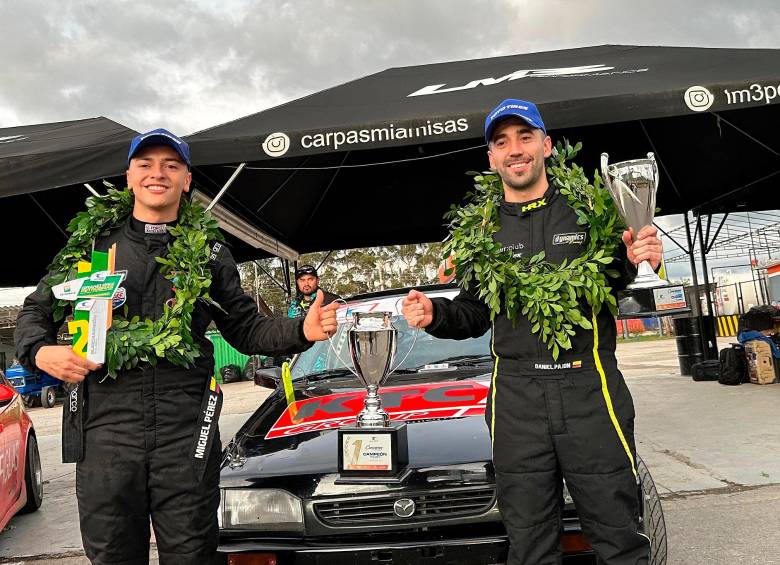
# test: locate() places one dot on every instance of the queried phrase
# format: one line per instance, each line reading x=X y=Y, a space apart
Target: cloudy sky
x=189 y=65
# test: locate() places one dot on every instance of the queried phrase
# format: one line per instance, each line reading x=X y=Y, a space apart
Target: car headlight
x=260 y=509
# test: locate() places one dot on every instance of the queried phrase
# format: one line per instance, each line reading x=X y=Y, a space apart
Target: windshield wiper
x=461 y=360
x=343 y=373
x=327 y=374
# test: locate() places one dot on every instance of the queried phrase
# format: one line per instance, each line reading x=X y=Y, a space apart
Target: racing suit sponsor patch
x=155 y=228
x=572 y=238
x=210 y=407
x=533 y=205
x=558 y=366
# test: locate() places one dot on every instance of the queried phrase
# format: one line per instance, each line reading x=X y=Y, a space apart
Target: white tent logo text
x=582 y=70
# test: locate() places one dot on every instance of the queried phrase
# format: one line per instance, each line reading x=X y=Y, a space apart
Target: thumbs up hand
x=320 y=322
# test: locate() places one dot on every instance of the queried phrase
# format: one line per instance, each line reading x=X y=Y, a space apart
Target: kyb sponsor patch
x=572 y=238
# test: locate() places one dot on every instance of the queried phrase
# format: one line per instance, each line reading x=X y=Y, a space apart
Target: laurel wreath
x=550 y=295
x=134 y=341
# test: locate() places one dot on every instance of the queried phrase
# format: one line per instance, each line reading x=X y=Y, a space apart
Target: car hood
x=451 y=443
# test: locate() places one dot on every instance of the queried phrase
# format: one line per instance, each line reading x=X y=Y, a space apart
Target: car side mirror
x=270 y=377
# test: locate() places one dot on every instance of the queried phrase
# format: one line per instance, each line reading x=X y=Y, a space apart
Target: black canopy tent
x=43 y=172
x=43 y=156
x=378 y=160
x=43 y=169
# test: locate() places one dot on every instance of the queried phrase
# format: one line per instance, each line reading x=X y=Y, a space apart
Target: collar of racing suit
x=531 y=206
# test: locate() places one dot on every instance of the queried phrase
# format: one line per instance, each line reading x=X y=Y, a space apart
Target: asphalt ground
x=713 y=451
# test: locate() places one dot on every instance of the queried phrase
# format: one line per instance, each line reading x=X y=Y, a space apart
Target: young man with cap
x=569 y=417
x=307 y=282
x=147 y=443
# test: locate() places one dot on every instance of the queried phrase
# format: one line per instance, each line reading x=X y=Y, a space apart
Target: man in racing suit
x=147 y=443
x=572 y=417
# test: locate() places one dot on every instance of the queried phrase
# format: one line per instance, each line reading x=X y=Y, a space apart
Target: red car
x=21 y=480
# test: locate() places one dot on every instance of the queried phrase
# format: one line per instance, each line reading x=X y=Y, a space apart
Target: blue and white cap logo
x=527 y=111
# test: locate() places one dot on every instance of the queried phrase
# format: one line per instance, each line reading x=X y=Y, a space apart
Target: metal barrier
x=727 y=326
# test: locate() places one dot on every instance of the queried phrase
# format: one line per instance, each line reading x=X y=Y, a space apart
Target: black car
x=281 y=498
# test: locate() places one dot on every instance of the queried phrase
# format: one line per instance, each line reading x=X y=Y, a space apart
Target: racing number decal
x=358 y=443
x=79 y=329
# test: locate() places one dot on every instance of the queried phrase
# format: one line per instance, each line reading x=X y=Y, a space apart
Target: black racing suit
x=140 y=431
x=573 y=417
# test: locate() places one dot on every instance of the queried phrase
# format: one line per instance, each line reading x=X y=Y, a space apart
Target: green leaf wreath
x=549 y=295
x=134 y=341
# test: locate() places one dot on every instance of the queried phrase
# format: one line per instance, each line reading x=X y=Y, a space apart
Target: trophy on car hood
x=633 y=185
x=374 y=449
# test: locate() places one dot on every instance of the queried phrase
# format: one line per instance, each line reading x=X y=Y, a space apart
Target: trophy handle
x=656 y=178
x=333 y=349
x=604 y=172
x=414 y=340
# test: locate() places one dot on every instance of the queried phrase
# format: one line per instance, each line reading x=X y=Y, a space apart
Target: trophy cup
x=633 y=186
x=374 y=449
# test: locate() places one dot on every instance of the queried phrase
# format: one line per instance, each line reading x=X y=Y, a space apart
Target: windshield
x=427 y=350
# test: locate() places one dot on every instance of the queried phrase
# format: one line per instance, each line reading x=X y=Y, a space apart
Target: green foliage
x=134 y=341
x=549 y=295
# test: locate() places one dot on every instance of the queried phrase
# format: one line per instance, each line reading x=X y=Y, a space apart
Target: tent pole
x=691 y=255
x=710 y=311
x=286 y=269
x=696 y=301
x=671 y=238
x=227 y=185
x=45 y=213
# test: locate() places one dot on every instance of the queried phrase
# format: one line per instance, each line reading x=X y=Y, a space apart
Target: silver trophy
x=372 y=343
x=633 y=186
x=375 y=448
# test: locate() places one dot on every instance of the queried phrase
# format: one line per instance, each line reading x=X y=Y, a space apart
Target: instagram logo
x=698 y=98
x=276 y=144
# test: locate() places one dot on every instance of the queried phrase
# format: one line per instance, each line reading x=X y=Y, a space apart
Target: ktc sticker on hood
x=404 y=403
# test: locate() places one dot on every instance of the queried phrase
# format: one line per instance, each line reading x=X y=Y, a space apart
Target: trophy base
x=652 y=302
x=373 y=455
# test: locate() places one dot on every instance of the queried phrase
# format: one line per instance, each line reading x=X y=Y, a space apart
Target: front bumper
x=486 y=550
x=467 y=551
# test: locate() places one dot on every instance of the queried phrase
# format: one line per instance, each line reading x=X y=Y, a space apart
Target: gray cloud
x=191 y=65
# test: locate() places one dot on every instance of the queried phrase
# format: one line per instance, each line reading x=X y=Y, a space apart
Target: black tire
x=33 y=476
x=230 y=373
x=29 y=400
x=48 y=396
x=251 y=367
x=652 y=523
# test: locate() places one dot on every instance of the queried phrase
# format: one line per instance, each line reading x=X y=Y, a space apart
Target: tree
x=347 y=272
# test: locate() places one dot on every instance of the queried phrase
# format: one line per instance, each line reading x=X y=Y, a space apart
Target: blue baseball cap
x=160 y=136
x=513 y=107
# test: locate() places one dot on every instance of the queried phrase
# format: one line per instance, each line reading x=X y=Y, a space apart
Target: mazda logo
x=404 y=507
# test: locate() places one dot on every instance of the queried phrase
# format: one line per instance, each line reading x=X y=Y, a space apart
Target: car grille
x=429 y=506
